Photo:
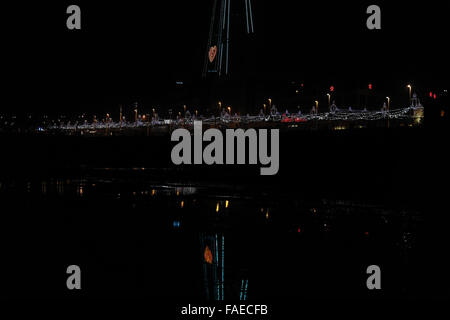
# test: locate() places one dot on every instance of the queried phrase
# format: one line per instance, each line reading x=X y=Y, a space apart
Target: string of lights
x=338 y=115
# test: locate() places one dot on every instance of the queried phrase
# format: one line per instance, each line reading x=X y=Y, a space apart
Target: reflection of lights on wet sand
x=60 y=187
x=182 y=204
x=44 y=187
x=208 y=255
x=153 y=192
x=217 y=207
x=80 y=191
x=267 y=213
x=226 y=203
x=186 y=190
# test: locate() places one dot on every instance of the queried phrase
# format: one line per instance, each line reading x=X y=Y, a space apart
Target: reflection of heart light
x=212 y=53
x=208 y=255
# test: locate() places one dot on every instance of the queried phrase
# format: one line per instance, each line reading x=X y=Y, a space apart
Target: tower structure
x=217 y=57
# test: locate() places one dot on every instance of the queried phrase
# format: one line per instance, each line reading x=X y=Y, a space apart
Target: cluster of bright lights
x=404 y=113
x=338 y=115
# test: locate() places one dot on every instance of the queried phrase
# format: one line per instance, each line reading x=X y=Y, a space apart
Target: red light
x=208 y=255
x=370 y=86
x=286 y=119
x=301 y=85
x=212 y=53
x=431 y=94
x=299 y=230
x=434 y=96
x=331 y=88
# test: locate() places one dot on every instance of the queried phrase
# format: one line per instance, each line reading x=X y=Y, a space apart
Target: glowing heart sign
x=208 y=255
x=212 y=53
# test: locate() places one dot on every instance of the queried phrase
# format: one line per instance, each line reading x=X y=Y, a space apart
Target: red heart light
x=212 y=53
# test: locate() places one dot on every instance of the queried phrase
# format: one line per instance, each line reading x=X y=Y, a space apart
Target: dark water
x=141 y=228
x=138 y=238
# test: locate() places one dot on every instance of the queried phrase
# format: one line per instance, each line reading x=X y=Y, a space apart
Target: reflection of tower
x=243 y=291
x=218 y=50
x=213 y=254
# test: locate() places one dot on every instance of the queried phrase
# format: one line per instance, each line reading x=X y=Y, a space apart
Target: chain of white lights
x=339 y=115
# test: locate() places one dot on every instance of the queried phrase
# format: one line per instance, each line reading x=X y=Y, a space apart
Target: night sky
x=130 y=51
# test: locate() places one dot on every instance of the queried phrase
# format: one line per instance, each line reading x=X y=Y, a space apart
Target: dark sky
x=128 y=50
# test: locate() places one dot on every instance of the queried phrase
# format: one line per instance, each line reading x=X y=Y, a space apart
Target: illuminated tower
x=217 y=57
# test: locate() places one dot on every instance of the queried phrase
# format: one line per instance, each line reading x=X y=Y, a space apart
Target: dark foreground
x=138 y=226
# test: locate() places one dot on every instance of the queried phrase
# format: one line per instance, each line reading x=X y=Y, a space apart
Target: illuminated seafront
x=341 y=201
x=338 y=120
